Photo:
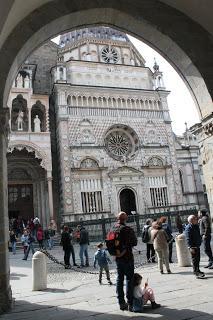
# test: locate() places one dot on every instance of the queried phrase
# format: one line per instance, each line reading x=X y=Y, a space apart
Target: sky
x=181 y=105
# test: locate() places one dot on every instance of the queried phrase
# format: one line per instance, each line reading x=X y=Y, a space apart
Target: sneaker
x=75 y=265
x=201 y=272
x=82 y=266
x=200 y=275
x=155 y=305
x=210 y=264
x=123 y=306
x=169 y=271
x=161 y=272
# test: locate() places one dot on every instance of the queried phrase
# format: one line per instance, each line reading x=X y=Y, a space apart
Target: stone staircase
x=57 y=239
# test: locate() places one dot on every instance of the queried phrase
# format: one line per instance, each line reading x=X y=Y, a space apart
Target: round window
x=109 y=55
x=121 y=143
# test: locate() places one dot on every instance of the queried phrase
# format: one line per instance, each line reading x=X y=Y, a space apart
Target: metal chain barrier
x=80 y=270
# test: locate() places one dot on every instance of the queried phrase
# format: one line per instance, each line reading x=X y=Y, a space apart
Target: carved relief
x=155 y=162
x=85 y=134
x=88 y=163
x=31 y=147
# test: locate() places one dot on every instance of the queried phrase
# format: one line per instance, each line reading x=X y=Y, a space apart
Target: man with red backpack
x=125 y=239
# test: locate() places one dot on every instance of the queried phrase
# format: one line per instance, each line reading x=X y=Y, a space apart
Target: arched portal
x=27 y=186
x=144 y=22
x=128 y=201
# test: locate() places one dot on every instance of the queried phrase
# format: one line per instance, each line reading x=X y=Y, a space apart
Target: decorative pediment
x=125 y=171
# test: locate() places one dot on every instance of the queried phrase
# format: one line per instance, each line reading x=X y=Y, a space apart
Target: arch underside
x=149 y=21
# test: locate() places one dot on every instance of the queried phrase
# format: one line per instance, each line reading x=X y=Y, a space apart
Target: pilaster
x=5 y=289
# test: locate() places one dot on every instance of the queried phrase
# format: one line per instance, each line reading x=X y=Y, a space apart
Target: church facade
x=96 y=119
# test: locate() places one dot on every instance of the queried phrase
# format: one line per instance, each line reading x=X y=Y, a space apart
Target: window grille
x=91 y=201
x=159 y=197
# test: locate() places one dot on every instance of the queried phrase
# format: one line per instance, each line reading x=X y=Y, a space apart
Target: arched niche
x=38 y=109
x=89 y=163
x=19 y=107
x=155 y=162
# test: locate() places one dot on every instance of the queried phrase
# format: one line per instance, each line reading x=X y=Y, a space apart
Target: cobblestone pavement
x=75 y=295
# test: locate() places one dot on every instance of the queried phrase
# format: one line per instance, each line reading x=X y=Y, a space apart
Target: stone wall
x=45 y=58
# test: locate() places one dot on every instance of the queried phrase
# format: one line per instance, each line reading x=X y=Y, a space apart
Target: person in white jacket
x=141 y=295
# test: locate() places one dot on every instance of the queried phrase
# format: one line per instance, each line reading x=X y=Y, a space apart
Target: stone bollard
x=183 y=254
x=39 y=269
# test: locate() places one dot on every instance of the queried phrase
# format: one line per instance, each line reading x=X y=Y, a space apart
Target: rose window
x=121 y=143
x=109 y=55
x=118 y=144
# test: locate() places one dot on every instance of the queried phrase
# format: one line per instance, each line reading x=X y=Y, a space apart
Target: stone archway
x=127 y=201
x=148 y=20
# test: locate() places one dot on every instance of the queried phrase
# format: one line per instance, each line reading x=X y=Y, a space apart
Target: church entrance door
x=127 y=201
x=20 y=201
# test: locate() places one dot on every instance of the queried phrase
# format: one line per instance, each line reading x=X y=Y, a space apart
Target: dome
x=93 y=32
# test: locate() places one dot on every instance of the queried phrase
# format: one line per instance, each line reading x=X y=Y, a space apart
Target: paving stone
x=72 y=295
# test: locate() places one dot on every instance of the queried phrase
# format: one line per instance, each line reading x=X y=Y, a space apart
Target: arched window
x=181 y=181
x=19 y=114
x=61 y=73
x=89 y=163
x=155 y=162
x=69 y=101
x=38 y=111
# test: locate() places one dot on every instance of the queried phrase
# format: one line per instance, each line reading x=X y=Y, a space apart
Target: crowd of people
x=28 y=232
x=156 y=234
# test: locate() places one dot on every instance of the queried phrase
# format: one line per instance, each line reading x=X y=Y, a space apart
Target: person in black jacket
x=84 y=242
x=194 y=240
x=125 y=262
x=205 y=231
x=66 y=243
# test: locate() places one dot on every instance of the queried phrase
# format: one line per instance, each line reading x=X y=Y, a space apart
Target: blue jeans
x=13 y=247
x=30 y=247
x=84 y=251
x=124 y=269
x=51 y=243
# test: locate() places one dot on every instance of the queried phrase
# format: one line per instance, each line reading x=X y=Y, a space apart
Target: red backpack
x=113 y=241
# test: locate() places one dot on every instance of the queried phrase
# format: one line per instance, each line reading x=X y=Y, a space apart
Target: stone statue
x=20 y=121
x=37 y=124
x=19 y=81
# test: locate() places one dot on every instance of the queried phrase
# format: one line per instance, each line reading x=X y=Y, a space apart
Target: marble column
x=50 y=194
x=5 y=289
x=43 y=212
x=47 y=119
x=29 y=120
